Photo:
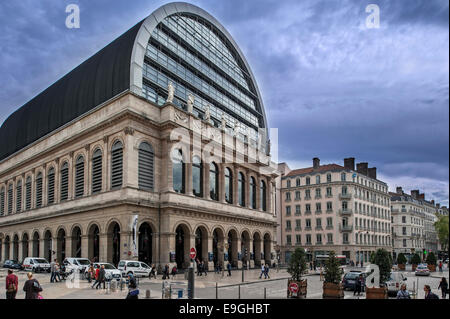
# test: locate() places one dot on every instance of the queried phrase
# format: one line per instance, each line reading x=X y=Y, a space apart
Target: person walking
x=403 y=293
x=53 y=271
x=96 y=277
x=174 y=272
x=102 y=276
x=229 y=269
x=91 y=272
x=31 y=287
x=12 y=285
x=57 y=270
x=133 y=291
x=153 y=271
x=428 y=293
x=443 y=285
x=358 y=285
x=166 y=272
x=204 y=268
x=266 y=271
x=440 y=266
x=263 y=270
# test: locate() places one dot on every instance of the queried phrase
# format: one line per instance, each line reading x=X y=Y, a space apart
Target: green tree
x=297 y=264
x=401 y=259
x=383 y=260
x=431 y=259
x=441 y=226
x=415 y=260
x=333 y=271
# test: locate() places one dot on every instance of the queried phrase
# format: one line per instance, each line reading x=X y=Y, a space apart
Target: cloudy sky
x=332 y=86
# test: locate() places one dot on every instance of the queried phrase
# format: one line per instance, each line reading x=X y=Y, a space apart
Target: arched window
x=297 y=182
x=79 y=176
x=252 y=192
x=263 y=196
x=64 y=189
x=228 y=186
x=116 y=165
x=328 y=178
x=39 y=190
x=197 y=176
x=288 y=183
x=318 y=179
x=10 y=198
x=19 y=196
x=241 y=189
x=28 y=193
x=178 y=171
x=308 y=181
x=2 y=201
x=146 y=164
x=51 y=186
x=97 y=171
x=213 y=181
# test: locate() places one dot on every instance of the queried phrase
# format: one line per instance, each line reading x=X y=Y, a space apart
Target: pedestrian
x=358 y=283
x=403 y=293
x=428 y=293
x=310 y=266
x=204 y=268
x=229 y=269
x=102 y=276
x=174 y=272
x=266 y=271
x=91 y=272
x=96 y=277
x=53 y=271
x=31 y=287
x=133 y=291
x=166 y=272
x=153 y=271
x=12 y=285
x=443 y=285
x=321 y=273
x=263 y=269
x=57 y=270
x=440 y=266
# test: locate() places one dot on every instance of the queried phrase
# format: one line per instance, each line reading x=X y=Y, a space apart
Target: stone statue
x=190 y=104
x=223 y=124
x=235 y=128
x=207 y=113
x=171 y=93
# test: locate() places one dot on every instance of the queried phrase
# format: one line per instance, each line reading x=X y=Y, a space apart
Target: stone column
x=85 y=246
x=209 y=249
x=221 y=183
x=125 y=243
x=54 y=248
x=130 y=160
x=103 y=247
x=167 y=245
x=68 y=247
x=20 y=252
x=41 y=248
x=30 y=248
x=250 y=252
x=237 y=251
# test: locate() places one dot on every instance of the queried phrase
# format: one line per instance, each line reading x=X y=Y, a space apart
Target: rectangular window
x=297 y=210
x=298 y=224
x=298 y=239
x=307 y=194
x=329 y=222
x=288 y=196
x=297 y=195
x=330 y=238
x=308 y=209
x=288 y=239
x=329 y=192
x=329 y=206
x=288 y=210
x=308 y=223
x=319 y=238
x=288 y=225
x=308 y=239
x=318 y=193
x=318 y=207
x=318 y=223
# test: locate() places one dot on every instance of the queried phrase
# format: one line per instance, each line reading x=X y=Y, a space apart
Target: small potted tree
x=415 y=260
x=382 y=259
x=401 y=261
x=297 y=287
x=431 y=261
x=332 y=287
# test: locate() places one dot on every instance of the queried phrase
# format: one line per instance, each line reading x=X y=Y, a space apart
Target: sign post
x=293 y=288
x=191 y=272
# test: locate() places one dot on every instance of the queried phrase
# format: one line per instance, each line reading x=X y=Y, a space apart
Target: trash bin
x=180 y=294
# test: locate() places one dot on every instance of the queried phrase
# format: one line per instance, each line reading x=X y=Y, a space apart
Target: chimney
x=422 y=196
x=399 y=190
x=432 y=202
x=373 y=172
x=349 y=163
x=415 y=193
x=438 y=206
x=362 y=168
x=316 y=162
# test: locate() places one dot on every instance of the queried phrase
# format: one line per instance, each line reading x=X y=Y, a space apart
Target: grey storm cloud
x=333 y=87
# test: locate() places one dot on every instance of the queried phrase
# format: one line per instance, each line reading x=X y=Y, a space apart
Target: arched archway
x=245 y=248
x=113 y=246
x=218 y=249
x=201 y=244
x=15 y=248
x=182 y=236
x=267 y=248
x=36 y=249
x=257 y=249
x=145 y=244
x=24 y=246
x=94 y=243
x=232 y=252
x=76 y=242
x=48 y=245
x=61 y=245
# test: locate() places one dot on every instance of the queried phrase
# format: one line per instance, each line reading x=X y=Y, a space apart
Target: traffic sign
x=293 y=287
x=193 y=253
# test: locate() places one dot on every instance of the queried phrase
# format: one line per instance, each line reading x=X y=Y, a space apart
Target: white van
x=36 y=264
x=79 y=265
x=396 y=280
x=136 y=268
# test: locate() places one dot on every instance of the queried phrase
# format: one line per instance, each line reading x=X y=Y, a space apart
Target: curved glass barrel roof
x=178 y=43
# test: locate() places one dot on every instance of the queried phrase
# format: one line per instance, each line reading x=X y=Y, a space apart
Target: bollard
x=191 y=283
x=239 y=292
x=265 y=293
x=147 y=294
x=217 y=291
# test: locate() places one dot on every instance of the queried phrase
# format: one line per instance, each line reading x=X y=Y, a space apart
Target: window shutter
x=19 y=196
x=28 y=194
x=79 y=177
x=97 y=172
x=116 y=165
x=10 y=199
x=2 y=202
x=51 y=186
x=39 y=190
x=65 y=182
x=145 y=168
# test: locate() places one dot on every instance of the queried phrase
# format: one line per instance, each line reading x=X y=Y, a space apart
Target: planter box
x=432 y=268
x=332 y=291
x=414 y=267
x=401 y=266
x=376 y=293
x=301 y=294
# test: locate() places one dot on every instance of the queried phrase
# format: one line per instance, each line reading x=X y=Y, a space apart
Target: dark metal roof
x=98 y=79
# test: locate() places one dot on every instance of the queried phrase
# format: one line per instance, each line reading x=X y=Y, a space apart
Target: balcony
x=298 y=228
x=345 y=228
x=346 y=212
x=307 y=197
x=308 y=228
x=329 y=195
x=319 y=228
x=318 y=197
x=345 y=196
x=329 y=227
x=329 y=211
x=318 y=212
x=308 y=212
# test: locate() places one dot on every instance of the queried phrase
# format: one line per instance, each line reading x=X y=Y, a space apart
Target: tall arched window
x=64 y=189
x=2 y=201
x=252 y=193
x=178 y=171
x=79 y=176
x=39 y=190
x=19 y=196
x=213 y=181
x=97 y=171
x=263 y=195
x=241 y=189
x=116 y=165
x=146 y=164
x=51 y=186
x=28 y=193
x=228 y=186
x=197 y=176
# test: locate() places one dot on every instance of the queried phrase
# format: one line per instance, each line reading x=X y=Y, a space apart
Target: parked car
x=36 y=264
x=396 y=280
x=349 y=280
x=79 y=265
x=422 y=270
x=111 y=271
x=136 y=268
x=12 y=264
